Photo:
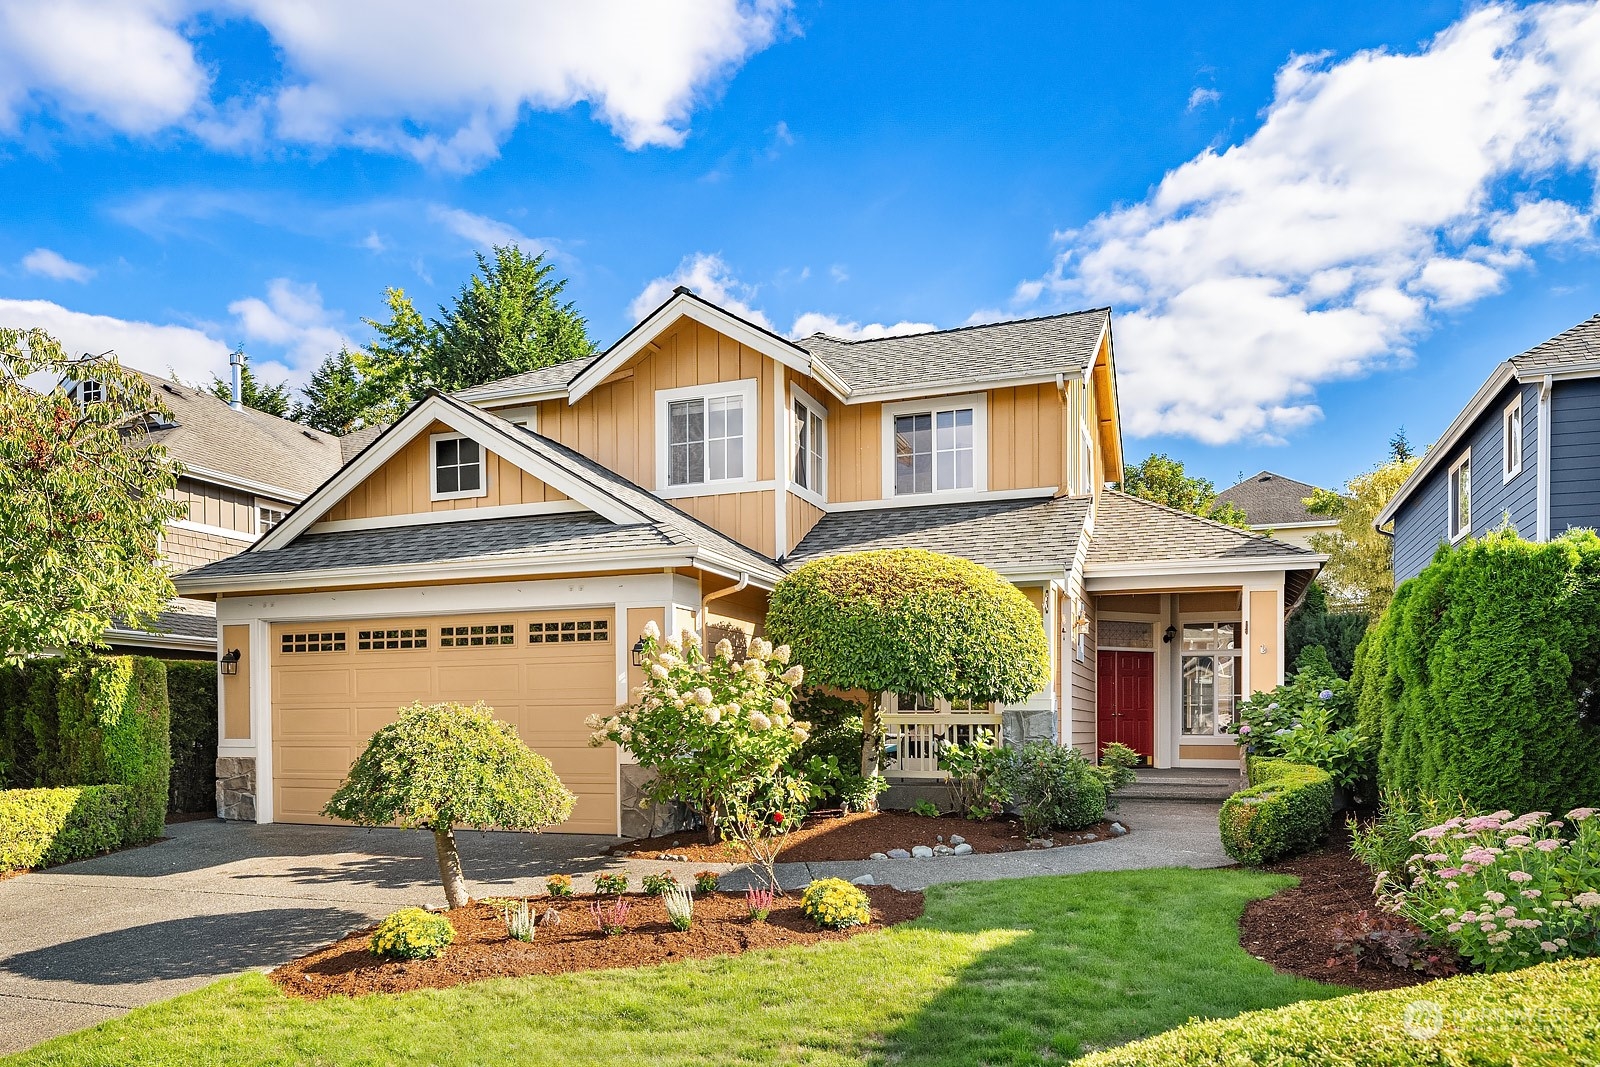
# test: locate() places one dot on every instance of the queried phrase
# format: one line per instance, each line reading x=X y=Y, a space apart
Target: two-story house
x=1524 y=452
x=508 y=544
x=243 y=472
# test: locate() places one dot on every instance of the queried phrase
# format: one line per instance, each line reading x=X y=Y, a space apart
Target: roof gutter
x=739 y=586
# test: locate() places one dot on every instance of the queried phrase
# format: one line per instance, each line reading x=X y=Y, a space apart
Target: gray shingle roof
x=246 y=444
x=351 y=444
x=556 y=376
x=1128 y=529
x=1003 y=534
x=1271 y=499
x=1570 y=348
x=180 y=618
x=1058 y=344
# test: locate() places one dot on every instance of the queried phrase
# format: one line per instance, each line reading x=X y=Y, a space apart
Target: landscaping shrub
x=974 y=769
x=1542 y=1015
x=1482 y=680
x=1504 y=892
x=1386 y=844
x=1053 y=787
x=1315 y=638
x=831 y=756
x=835 y=904
x=39 y=827
x=101 y=721
x=1116 y=769
x=1287 y=810
x=192 y=694
x=412 y=934
x=1309 y=719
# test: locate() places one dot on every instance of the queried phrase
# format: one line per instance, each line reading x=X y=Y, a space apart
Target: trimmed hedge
x=103 y=721
x=40 y=827
x=1287 y=810
x=1482 y=679
x=192 y=692
x=1540 y=1015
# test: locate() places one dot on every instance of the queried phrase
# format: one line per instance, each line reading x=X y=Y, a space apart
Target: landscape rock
x=942 y=849
x=877 y=856
x=898 y=854
x=922 y=852
x=1091 y=837
x=962 y=849
x=957 y=839
x=865 y=879
x=1117 y=829
x=1041 y=842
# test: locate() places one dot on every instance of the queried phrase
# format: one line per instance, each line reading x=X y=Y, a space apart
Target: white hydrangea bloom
x=703 y=697
x=794 y=674
x=651 y=630
x=780 y=655
x=658 y=671
x=725 y=649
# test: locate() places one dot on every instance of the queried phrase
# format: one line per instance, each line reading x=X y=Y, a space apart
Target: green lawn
x=1019 y=972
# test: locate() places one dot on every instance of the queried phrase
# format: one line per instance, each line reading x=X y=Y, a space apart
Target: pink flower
x=1245 y=729
x=1548 y=946
x=1580 y=814
x=1587 y=901
x=1520 y=876
x=1487 y=927
x=1507 y=912
x=1454 y=928
x=1495 y=897
x=1432 y=833
x=1549 y=844
x=1518 y=840
x=1532 y=894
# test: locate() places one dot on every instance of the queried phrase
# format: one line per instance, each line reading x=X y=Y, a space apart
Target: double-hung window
x=1212 y=681
x=809 y=437
x=936 y=448
x=458 y=467
x=1461 y=497
x=706 y=434
x=1511 y=439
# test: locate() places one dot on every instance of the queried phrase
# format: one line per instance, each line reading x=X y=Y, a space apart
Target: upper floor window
x=1511 y=439
x=267 y=518
x=458 y=467
x=809 y=437
x=936 y=448
x=90 y=392
x=706 y=434
x=1461 y=497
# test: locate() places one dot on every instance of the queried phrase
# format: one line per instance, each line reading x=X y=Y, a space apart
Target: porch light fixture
x=229 y=663
x=638 y=652
x=1168 y=634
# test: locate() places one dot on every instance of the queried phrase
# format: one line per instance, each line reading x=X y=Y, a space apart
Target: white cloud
x=374 y=242
x=1378 y=192
x=710 y=277
x=153 y=347
x=442 y=83
x=291 y=318
x=817 y=322
x=839 y=273
x=1201 y=96
x=53 y=264
x=484 y=233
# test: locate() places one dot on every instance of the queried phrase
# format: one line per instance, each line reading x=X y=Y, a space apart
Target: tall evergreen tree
x=337 y=399
x=1400 y=446
x=272 y=398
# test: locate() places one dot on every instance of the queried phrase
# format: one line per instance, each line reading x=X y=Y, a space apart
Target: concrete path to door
x=88 y=941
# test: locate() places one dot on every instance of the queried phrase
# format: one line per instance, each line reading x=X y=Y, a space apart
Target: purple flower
x=1326 y=694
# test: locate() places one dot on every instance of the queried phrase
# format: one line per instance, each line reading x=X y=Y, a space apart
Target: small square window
x=267 y=518
x=91 y=392
x=457 y=467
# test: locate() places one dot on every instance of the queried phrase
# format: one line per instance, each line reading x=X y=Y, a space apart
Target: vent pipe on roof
x=236 y=364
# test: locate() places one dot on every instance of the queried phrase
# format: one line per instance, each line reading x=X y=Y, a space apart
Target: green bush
x=192 y=694
x=1116 y=769
x=412 y=934
x=1315 y=638
x=1482 y=679
x=1053 y=787
x=1541 y=1015
x=41 y=827
x=1287 y=810
x=1385 y=844
x=101 y=721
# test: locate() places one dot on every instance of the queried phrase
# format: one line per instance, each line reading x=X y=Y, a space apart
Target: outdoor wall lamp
x=1168 y=634
x=638 y=652
x=229 y=663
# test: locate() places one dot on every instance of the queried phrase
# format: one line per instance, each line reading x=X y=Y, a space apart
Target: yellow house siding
x=1085 y=676
x=236 y=687
x=803 y=515
x=1266 y=666
x=1026 y=438
x=402 y=486
x=747 y=517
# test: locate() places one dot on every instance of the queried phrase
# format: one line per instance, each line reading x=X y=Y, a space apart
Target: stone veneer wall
x=236 y=788
x=641 y=817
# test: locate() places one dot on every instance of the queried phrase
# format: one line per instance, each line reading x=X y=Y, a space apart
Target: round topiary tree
x=910 y=621
x=439 y=766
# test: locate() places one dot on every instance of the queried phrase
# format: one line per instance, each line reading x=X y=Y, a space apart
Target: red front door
x=1127 y=701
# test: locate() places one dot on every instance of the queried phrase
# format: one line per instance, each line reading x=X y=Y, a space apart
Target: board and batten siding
x=1422 y=523
x=1575 y=455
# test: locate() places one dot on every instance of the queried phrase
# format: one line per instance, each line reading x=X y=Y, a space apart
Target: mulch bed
x=483 y=949
x=1302 y=930
x=857 y=836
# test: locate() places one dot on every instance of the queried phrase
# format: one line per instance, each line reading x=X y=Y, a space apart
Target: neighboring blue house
x=1525 y=452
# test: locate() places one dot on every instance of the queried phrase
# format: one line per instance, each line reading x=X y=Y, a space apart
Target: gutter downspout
x=1542 y=471
x=743 y=582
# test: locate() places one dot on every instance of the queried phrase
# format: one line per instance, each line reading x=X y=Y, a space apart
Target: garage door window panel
x=401 y=638
x=321 y=641
x=477 y=635
x=569 y=631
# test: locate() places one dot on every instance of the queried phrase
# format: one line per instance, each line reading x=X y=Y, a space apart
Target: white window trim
x=1452 y=511
x=1238 y=654
x=979 y=403
x=283 y=513
x=1509 y=471
x=433 y=458
x=748 y=390
x=1085 y=458
x=817 y=493
x=941 y=706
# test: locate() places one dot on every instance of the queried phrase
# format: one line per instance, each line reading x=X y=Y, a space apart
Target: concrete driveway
x=87 y=941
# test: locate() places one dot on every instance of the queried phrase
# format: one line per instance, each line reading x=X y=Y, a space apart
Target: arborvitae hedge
x=192 y=689
x=1480 y=679
x=91 y=722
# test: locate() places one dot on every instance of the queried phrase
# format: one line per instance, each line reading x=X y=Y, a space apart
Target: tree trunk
x=709 y=817
x=871 y=742
x=455 y=884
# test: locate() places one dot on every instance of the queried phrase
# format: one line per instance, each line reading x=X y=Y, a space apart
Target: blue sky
x=1315 y=222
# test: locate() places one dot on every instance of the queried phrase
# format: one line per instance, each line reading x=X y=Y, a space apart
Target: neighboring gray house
x=1276 y=506
x=1525 y=452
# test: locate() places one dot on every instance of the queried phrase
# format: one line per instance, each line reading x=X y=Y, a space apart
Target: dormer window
x=705 y=435
x=458 y=467
x=936 y=447
x=91 y=392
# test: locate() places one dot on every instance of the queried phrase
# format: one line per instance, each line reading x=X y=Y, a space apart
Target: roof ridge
x=196 y=392
x=1250 y=534
x=1106 y=310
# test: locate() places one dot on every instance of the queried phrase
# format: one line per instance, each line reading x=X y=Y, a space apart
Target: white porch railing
x=912 y=739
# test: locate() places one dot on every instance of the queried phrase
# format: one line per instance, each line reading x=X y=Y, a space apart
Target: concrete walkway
x=88 y=941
